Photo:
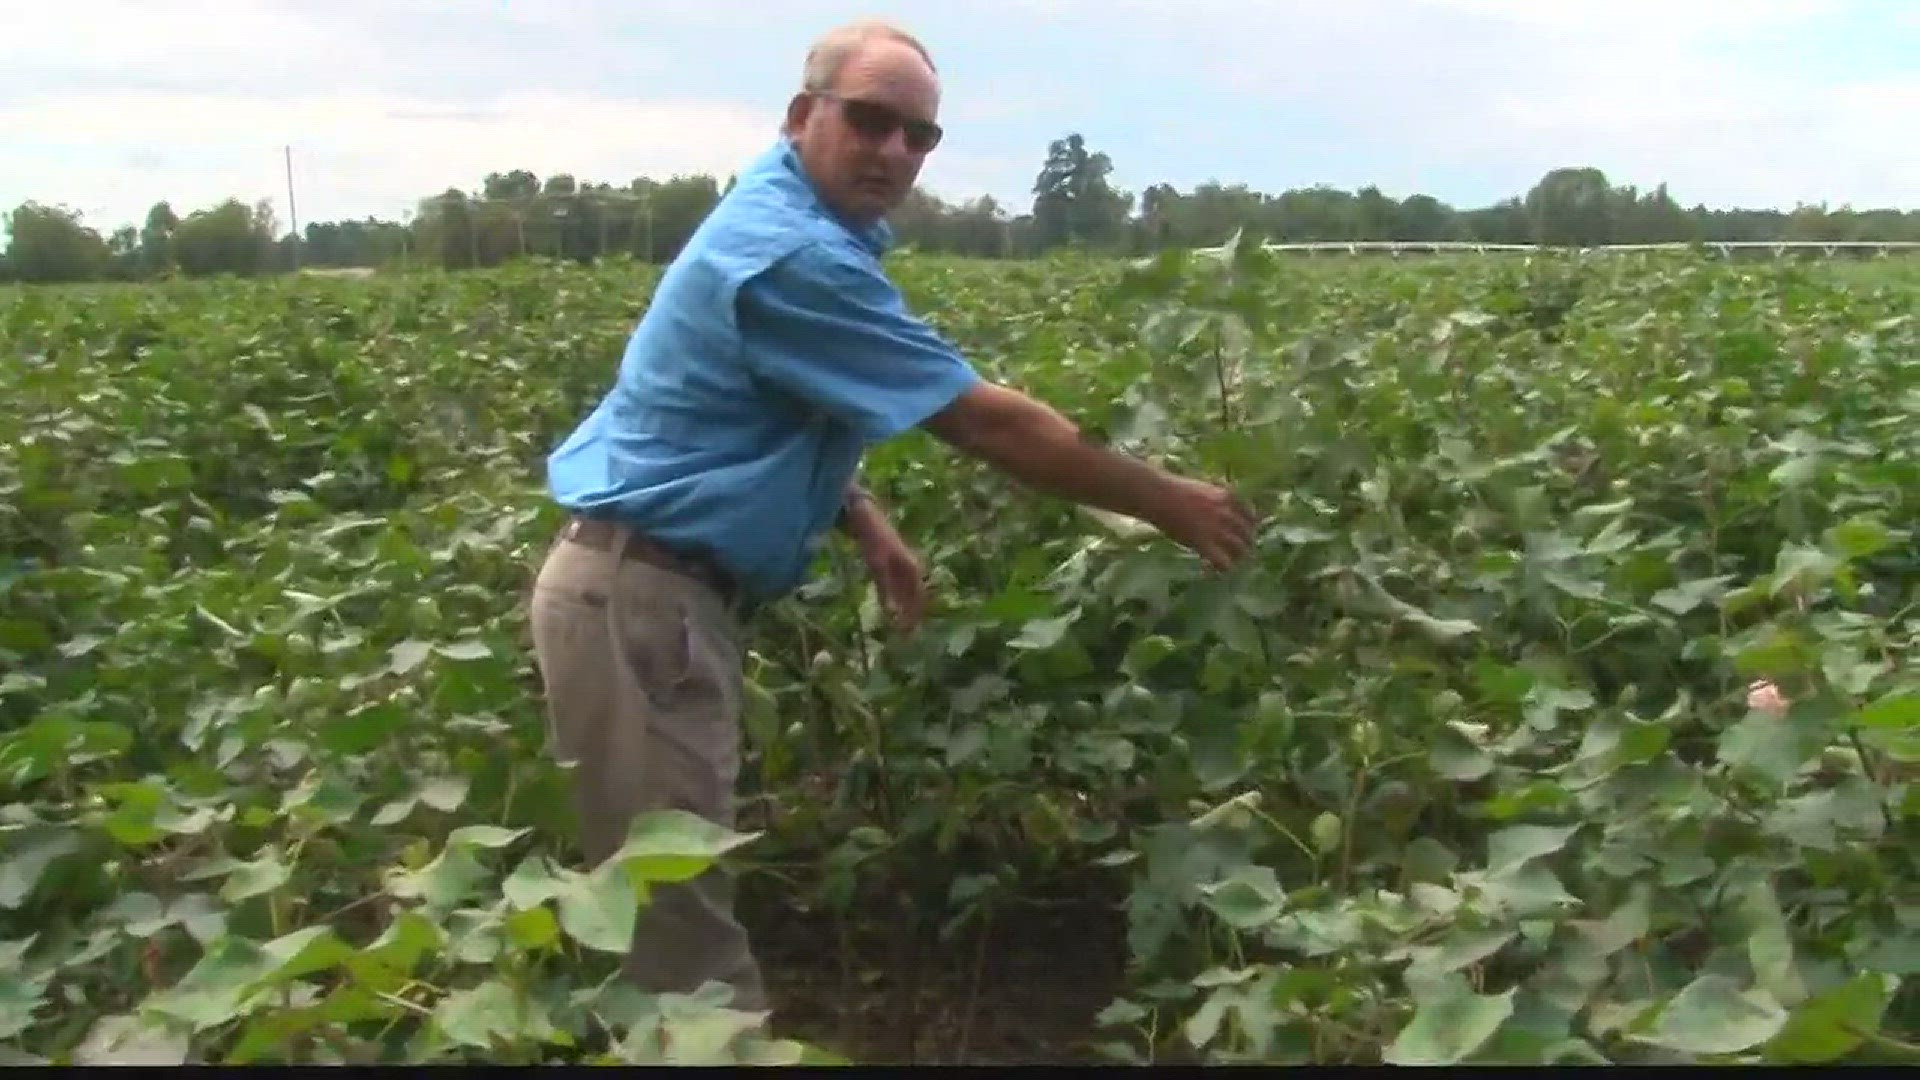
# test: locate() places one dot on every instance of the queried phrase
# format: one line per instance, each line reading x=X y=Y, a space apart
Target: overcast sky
x=109 y=105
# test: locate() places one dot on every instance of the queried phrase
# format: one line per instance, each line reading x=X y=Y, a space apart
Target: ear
x=798 y=110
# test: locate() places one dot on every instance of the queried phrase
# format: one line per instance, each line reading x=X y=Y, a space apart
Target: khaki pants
x=642 y=669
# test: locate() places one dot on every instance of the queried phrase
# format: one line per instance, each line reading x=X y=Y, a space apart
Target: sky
x=107 y=106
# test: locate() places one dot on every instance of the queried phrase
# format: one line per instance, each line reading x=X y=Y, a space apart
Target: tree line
x=1075 y=203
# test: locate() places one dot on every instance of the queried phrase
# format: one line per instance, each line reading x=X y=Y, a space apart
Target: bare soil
x=877 y=990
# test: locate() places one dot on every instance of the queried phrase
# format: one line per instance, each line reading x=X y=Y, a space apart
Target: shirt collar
x=877 y=237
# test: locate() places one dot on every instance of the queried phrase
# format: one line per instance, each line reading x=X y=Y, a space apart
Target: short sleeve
x=828 y=327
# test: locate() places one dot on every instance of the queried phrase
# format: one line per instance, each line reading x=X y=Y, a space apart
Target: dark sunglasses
x=878 y=122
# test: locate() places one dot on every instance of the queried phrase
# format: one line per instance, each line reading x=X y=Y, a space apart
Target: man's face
x=863 y=142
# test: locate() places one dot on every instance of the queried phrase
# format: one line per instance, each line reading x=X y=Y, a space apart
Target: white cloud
x=1649 y=19
x=358 y=153
x=130 y=39
x=1716 y=130
x=362 y=153
x=1680 y=91
x=110 y=105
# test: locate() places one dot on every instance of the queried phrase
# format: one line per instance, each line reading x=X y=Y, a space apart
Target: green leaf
x=471 y=649
x=1145 y=653
x=1449 y=1026
x=1897 y=711
x=1799 y=566
x=212 y=992
x=407 y=655
x=966 y=744
x=127 y=1040
x=1796 y=471
x=19 y=1001
x=1250 y=896
x=197 y=912
x=250 y=879
x=1623 y=926
x=532 y=928
x=303 y=952
x=1428 y=860
x=362 y=729
x=1545 y=703
x=1826 y=1026
x=1516 y=845
x=1769 y=941
x=1712 y=1015
x=1773 y=747
x=486 y=836
x=408 y=939
x=491 y=1011
x=705 y=1036
x=1779 y=654
x=27 y=862
x=445 y=794
x=1441 y=629
x=1859 y=538
x=532 y=883
x=1689 y=595
x=1044 y=633
x=598 y=909
x=1461 y=948
x=1528 y=892
x=1456 y=758
x=450 y=878
x=673 y=846
x=394 y=812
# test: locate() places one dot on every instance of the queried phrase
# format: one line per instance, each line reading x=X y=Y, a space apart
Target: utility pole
x=292 y=212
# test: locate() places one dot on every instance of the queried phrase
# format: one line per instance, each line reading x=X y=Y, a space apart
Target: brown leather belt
x=605 y=535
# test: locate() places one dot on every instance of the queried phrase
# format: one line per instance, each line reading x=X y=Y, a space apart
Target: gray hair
x=831 y=53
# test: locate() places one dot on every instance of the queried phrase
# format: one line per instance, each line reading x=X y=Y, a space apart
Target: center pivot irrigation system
x=1776 y=248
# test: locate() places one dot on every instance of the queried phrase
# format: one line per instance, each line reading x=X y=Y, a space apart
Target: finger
x=1229 y=558
x=1212 y=554
x=1234 y=548
x=1231 y=536
x=909 y=596
x=1243 y=514
x=1238 y=528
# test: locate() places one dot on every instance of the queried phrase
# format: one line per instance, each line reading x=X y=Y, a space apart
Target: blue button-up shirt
x=774 y=351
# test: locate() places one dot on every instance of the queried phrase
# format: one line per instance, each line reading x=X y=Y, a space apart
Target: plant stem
x=973 y=989
x=1347 y=826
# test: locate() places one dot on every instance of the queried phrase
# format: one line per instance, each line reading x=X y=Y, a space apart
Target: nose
x=895 y=149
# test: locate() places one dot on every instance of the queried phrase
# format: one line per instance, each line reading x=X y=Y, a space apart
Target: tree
x=1571 y=207
x=156 y=237
x=673 y=211
x=49 y=243
x=1423 y=217
x=516 y=185
x=1073 y=202
x=123 y=251
x=230 y=238
x=516 y=213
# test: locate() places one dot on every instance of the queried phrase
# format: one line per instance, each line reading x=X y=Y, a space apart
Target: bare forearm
x=1034 y=444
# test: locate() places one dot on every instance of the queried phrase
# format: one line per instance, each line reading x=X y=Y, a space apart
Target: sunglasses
x=878 y=122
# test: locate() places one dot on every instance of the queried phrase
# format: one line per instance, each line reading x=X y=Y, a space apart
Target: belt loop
x=616 y=553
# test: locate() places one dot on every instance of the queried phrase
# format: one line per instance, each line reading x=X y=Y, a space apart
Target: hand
x=897 y=574
x=1208 y=519
x=895 y=569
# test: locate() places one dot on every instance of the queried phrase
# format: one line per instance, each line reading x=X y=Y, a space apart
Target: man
x=775 y=350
